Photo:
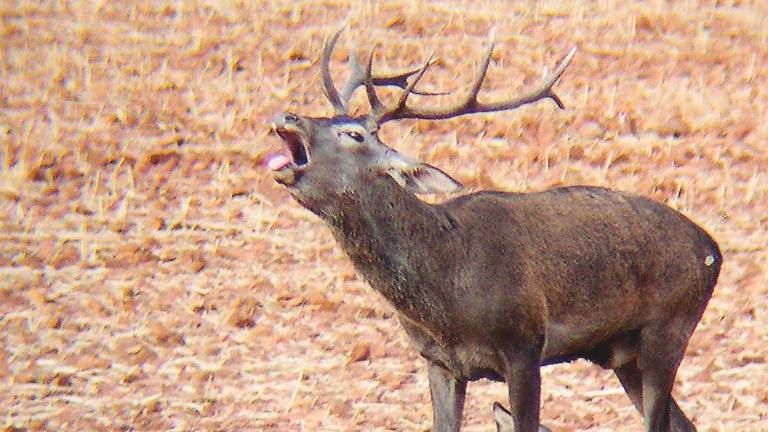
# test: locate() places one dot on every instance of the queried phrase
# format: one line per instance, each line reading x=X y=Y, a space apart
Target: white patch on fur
x=352 y=127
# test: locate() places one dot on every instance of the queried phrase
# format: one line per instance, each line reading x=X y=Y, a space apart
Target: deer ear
x=417 y=177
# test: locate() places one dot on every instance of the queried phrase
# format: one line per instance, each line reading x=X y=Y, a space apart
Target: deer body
x=492 y=284
x=493 y=269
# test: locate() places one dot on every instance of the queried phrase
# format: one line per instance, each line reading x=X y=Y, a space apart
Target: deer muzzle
x=288 y=165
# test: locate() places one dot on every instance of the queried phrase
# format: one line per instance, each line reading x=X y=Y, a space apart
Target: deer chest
x=466 y=360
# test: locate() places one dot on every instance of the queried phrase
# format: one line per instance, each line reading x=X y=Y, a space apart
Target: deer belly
x=610 y=346
x=469 y=361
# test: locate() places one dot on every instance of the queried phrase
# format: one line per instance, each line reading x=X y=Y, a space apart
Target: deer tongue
x=278 y=162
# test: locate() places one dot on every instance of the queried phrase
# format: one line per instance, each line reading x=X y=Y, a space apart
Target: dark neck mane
x=398 y=243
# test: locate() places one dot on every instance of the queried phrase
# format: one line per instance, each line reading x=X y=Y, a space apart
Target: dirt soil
x=154 y=277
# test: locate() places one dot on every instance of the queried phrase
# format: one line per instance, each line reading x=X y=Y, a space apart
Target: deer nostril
x=290 y=117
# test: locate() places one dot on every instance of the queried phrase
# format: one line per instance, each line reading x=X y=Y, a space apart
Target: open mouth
x=296 y=157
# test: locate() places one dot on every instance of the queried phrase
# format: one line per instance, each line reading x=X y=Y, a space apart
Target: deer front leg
x=447 y=399
x=524 y=382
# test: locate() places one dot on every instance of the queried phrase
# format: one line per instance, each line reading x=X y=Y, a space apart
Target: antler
x=357 y=78
x=325 y=72
x=470 y=104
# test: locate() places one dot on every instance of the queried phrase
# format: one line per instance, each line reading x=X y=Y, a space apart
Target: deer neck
x=401 y=245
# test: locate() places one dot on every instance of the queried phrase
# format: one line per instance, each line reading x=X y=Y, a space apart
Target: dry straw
x=136 y=216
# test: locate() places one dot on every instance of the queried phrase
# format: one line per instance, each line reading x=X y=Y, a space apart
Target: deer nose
x=286 y=117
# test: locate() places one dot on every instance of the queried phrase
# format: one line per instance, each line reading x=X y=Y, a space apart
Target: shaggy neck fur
x=379 y=226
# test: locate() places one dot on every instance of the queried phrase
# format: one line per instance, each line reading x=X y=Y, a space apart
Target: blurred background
x=154 y=277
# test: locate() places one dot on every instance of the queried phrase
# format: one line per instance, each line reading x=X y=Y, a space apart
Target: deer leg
x=661 y=350
x=680 y=422
x=505 y=422
x=447 y=399
x=524 y=381
x=632 y=380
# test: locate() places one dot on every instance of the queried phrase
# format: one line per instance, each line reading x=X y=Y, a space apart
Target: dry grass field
x=154 y=277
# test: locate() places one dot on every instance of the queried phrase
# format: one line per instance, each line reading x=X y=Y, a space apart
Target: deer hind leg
x=632 y=380
x=447 y=399
x=661 y=350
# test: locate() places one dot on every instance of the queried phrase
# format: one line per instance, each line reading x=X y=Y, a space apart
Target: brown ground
x=154 y=276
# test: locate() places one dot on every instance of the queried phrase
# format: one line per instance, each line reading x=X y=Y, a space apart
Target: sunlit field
x=154 y=277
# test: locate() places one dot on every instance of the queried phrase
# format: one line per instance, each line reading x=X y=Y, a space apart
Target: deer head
x=327 y=158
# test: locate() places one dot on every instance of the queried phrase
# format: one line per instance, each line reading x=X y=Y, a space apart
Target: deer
x=493 y=284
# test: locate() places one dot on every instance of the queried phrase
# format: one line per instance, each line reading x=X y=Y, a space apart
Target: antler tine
x=555 y=75
x=357 y=77
x=328 y=88
x=373 y=99
x=355 y=80
x=380 y=114
x=470 y=104
x=396 y=79
x=480 y=77
x=408 y=90
x=400 y=79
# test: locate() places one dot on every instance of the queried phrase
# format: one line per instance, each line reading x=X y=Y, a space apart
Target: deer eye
x=355 y=136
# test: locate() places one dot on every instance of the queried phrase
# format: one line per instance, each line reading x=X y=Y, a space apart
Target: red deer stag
x=496 y=284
